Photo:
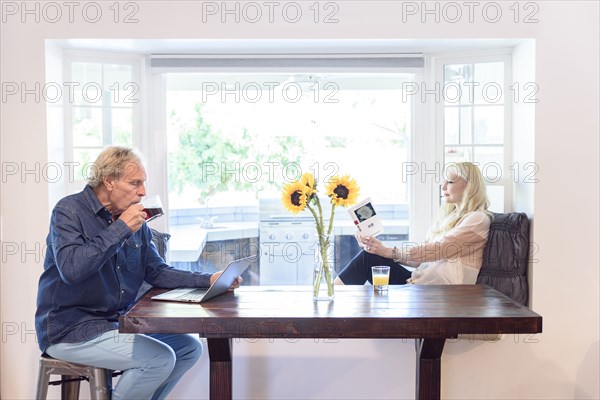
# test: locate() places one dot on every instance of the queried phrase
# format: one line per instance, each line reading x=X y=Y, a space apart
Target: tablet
x=220 y=286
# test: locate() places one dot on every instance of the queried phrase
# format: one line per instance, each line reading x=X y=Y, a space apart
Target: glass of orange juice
x=381 y=277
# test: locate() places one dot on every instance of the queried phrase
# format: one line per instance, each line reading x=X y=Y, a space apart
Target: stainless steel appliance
x=288 y=244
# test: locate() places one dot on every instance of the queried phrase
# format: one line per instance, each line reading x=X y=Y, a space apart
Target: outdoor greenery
x=212 y=161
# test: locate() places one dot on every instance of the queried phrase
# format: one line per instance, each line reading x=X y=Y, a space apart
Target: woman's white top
x=454 y=257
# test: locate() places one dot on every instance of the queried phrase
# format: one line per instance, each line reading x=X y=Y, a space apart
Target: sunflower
x=309 y=181
x=294 y=197
x=343 y=191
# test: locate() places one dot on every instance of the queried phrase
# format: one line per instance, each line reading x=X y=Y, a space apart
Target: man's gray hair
x=113 y=163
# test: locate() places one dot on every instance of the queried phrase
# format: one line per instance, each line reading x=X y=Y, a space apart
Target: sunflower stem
x=328 y=277
x=317 y=220
x=303 y=194
x=320 y=212
x=331 y=220
x=323 y=247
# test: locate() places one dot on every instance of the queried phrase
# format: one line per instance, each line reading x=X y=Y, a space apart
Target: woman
x=453 y=250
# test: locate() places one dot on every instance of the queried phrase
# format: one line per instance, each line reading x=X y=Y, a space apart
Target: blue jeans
x=151 y=364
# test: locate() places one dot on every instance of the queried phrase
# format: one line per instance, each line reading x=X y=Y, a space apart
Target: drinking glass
x=152 y=207
x=381 y=277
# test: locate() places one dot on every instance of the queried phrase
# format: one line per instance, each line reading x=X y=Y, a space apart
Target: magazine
x=365 y=218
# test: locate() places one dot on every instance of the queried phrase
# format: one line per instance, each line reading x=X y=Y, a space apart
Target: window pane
x=83 y=159
x=122 y=126
x=458 y=131
x=466 y=124
x=87 y=126
x=458 y=154
x=489 y=78
x=118 y=84
x=458 y=84
x=481 y=125
x=232 y=138
x=488 y=124
x=451 y=125
x=491 y=161
x=87 y=83
x=496 y=197
x=311 y=126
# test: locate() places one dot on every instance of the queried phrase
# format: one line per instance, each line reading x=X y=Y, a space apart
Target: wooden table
x=430 y=314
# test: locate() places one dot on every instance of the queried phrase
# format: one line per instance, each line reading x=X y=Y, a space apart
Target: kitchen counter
x=188 y=241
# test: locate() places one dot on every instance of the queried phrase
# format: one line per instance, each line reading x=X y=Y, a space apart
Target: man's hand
x=134 y=217
x=236 y=284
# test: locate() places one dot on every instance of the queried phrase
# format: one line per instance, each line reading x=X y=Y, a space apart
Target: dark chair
x=72 y=374
x=160 y=240
x=505 y=256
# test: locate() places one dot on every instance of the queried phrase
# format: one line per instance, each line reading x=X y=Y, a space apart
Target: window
x=233 y=136
x=238 y=137
x=102 y=109
x=476 y=121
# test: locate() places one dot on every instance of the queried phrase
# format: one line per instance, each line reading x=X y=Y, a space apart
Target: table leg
x=219 y=353
x=429 y=354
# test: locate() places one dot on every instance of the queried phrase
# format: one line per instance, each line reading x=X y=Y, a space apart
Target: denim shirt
x=93 y=269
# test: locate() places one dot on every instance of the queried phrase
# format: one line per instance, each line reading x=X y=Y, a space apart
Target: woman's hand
x=373 y=245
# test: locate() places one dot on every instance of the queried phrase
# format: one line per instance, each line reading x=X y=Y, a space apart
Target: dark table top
x=410 y=311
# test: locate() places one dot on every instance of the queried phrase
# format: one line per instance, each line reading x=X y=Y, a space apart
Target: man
x=99 y=252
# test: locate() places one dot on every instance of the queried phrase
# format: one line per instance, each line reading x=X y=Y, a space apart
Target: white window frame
x=136 y=62
x=499 y=55
x=423 y=153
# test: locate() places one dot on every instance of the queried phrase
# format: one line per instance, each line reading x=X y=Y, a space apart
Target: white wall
x=560 y=363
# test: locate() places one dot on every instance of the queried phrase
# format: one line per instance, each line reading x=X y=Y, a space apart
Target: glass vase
x=323 y=274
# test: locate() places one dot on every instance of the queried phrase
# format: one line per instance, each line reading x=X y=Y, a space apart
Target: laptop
x=220 y=286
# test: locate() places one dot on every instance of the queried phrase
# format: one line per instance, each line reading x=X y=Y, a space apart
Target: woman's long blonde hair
x=474 y=198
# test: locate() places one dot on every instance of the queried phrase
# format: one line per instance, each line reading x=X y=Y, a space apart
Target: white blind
x=331 y=62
